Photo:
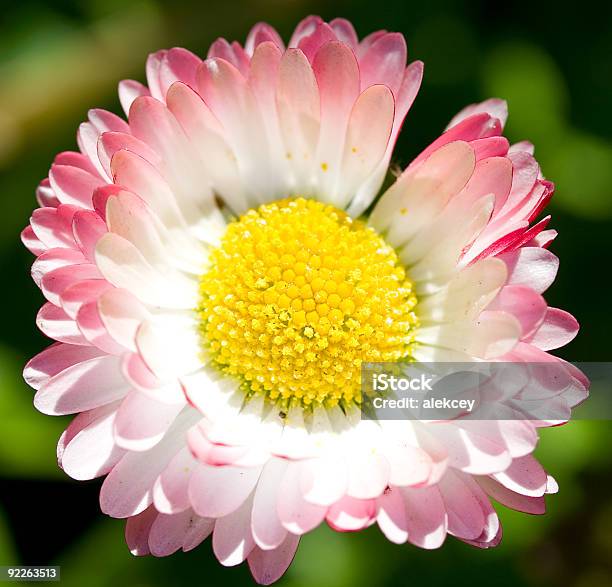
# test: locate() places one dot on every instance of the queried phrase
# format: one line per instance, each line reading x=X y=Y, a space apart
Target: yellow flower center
x=297 y=296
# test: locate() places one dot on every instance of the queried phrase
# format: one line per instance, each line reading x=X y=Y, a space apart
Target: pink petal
x=216 y=455
x=367 y=137
x=170 y=493
x=141 y=422
x=305 y=27
x=298 y=106
x=511 y=499
x=233 y=54
x=465 y=516
x=129 y=90
x=232 y=538
x=123 y=265
x=53 y=259
x=56 y=324
x=101 y=196
x=368 y=41
x=525 y=146
x=296 y=514
x=268 y=532
x=526 y=170
x=475 y=447
x=122 y=313
x=215 y=492
x=519 y=436
x=73 y=185
x=199 y=530
x=404 y=98
x=491 y=176
x=141 y=377
x=90 y=449
x=408 y=465
x=528 y=238
x=350 y=514
x=557 y=329
x=491 y=533
x=31 y=241
x=230 y=98
x=262 y=33
x=532 y=267
x=525 y=476
x=111 y=142
x=55 y=359
x=177 y=64
x=80 y=160
x=127 y=490
x=474 y=127
x=494 y=107
x=143 y=179
x=56 y=282
x=337 y=73
x=323 y=481
x=137 y=530
x=345 y=32
x=168 y=531
x=384 y=62
x=81 y=293
x=87 y=227
x=268 y=566
x=53 y=226
x=207 y=136
x=153 y=66
x=106 y=121
x=84 y=386
x=45 y=196
x=391 y=515
x=528 y=306
x=311 y=44
x=490 y=147
x=129 y=217
x=74 y=159
x=425 y=516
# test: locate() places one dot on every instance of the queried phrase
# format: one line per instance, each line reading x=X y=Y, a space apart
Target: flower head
x=214 y=286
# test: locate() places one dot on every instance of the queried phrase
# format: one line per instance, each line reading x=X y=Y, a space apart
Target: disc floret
x=297 y=296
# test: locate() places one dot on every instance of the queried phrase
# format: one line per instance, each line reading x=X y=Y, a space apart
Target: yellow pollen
x=297 y=296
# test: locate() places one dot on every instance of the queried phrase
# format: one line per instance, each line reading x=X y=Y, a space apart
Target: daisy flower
x=218 y=266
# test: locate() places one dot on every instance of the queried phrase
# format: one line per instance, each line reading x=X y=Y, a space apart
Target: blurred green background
x=554 y=66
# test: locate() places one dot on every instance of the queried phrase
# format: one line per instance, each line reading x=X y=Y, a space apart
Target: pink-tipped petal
x=137 y=531
x=90 y=449
x=73 y=185
x=84 y=386
x=129 y=90
x=268 y=566
x=384 y=62
x=56 y=324
x=557 y=329
x=262 y=33
x=426 y=517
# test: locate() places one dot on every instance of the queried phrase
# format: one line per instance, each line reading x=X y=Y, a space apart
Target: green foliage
x=7 y=550
x=27 y=438
x=579 y=163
